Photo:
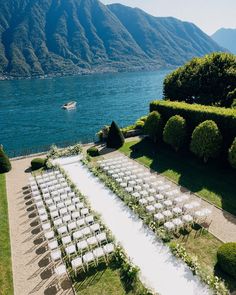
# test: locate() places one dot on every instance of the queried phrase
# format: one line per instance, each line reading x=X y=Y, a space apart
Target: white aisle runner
x=159 y=268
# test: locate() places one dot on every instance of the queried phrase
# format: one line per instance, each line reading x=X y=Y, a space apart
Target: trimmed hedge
x=226 y=256
x=5 y=164
x=194 y=114
x=206 y=140
x=38 y=163
x=93 y=151
x=232 y=154
x=175 y=132
x=153 y=126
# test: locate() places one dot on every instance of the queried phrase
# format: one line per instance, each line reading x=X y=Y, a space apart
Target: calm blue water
x=31 y=114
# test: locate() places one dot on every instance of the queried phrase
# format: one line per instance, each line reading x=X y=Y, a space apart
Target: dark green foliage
x=175 y=132
x=208 y=80
x=232 y=154
x=153 y=126
x=115 y=138
x=5 y=164
x=38 y=163
x=81 y=36
x=93 y=151
x=139 y=124
x=206 y=140
x=233 y=105
x=226 y=256
x=196 y=114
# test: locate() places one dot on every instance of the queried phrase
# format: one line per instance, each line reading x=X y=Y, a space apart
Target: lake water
x=31 y=117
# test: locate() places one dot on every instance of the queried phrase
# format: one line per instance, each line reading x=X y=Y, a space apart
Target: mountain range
x=60 y=37
x=226 y=38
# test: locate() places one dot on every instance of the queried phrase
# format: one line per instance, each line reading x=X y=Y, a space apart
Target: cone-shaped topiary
x=232 y=154
x=226 y=256
x=206 y=140
x=153 y=126
x=175 y=132
x=115 y=138
x=5 y=164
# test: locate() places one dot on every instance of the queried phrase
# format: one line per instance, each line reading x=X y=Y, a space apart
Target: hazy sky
x=209 y=15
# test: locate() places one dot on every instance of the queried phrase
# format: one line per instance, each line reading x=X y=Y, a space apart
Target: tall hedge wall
x=194 y=114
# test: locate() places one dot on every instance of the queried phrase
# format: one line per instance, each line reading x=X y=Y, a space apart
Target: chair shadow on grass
x=85 y=279
x=192 y=173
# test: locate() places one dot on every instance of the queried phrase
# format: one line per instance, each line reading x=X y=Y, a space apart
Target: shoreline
x=85 y=73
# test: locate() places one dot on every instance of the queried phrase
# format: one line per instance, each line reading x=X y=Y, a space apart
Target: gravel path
x=32 y=269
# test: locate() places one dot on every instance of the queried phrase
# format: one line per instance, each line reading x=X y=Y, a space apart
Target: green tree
x=206 y=140
x=5 y=164
x=226 y=256
x=175 y=132
x=153 y=126
x=210 y=80
x=115 y=138
x=232 y=154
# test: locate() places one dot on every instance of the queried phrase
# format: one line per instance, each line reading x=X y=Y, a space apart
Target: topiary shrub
x=93 y=151
x=139 y=124
x=232 y=154
x=153 y=126
x=206 y=140
x=38 y=163
x=5 y=164
x=175 y=132
x=115 y=138
x=226 y=256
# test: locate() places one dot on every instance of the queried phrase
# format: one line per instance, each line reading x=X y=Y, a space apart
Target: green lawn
x=212 y=182
x=105 y=281
x=6 y=285
x=204 y=246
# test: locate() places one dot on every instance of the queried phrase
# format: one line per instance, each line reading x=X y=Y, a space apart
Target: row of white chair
x=64 y=216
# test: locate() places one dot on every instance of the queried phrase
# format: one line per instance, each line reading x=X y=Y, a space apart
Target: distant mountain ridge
x=48 y=37
x=226 y=38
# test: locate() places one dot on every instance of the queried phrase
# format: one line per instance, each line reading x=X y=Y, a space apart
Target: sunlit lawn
x=6 y=285
x=212 y=182
x=102 y=281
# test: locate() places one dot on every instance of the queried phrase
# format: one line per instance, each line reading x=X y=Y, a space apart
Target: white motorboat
x=69 y=105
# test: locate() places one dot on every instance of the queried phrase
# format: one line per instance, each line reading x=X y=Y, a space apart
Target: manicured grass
x=105 y=281
x=204 y=246
x=6 y=284
x=211 y=181
x=102 y=281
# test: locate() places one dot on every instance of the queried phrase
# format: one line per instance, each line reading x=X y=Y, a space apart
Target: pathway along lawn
x=214 y=183
x=6 y=284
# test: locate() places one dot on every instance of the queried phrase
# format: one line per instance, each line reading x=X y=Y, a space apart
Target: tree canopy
x=210 y=80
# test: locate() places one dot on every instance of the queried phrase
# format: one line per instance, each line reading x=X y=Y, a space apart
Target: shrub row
x=195 y=114
x=205 y=142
